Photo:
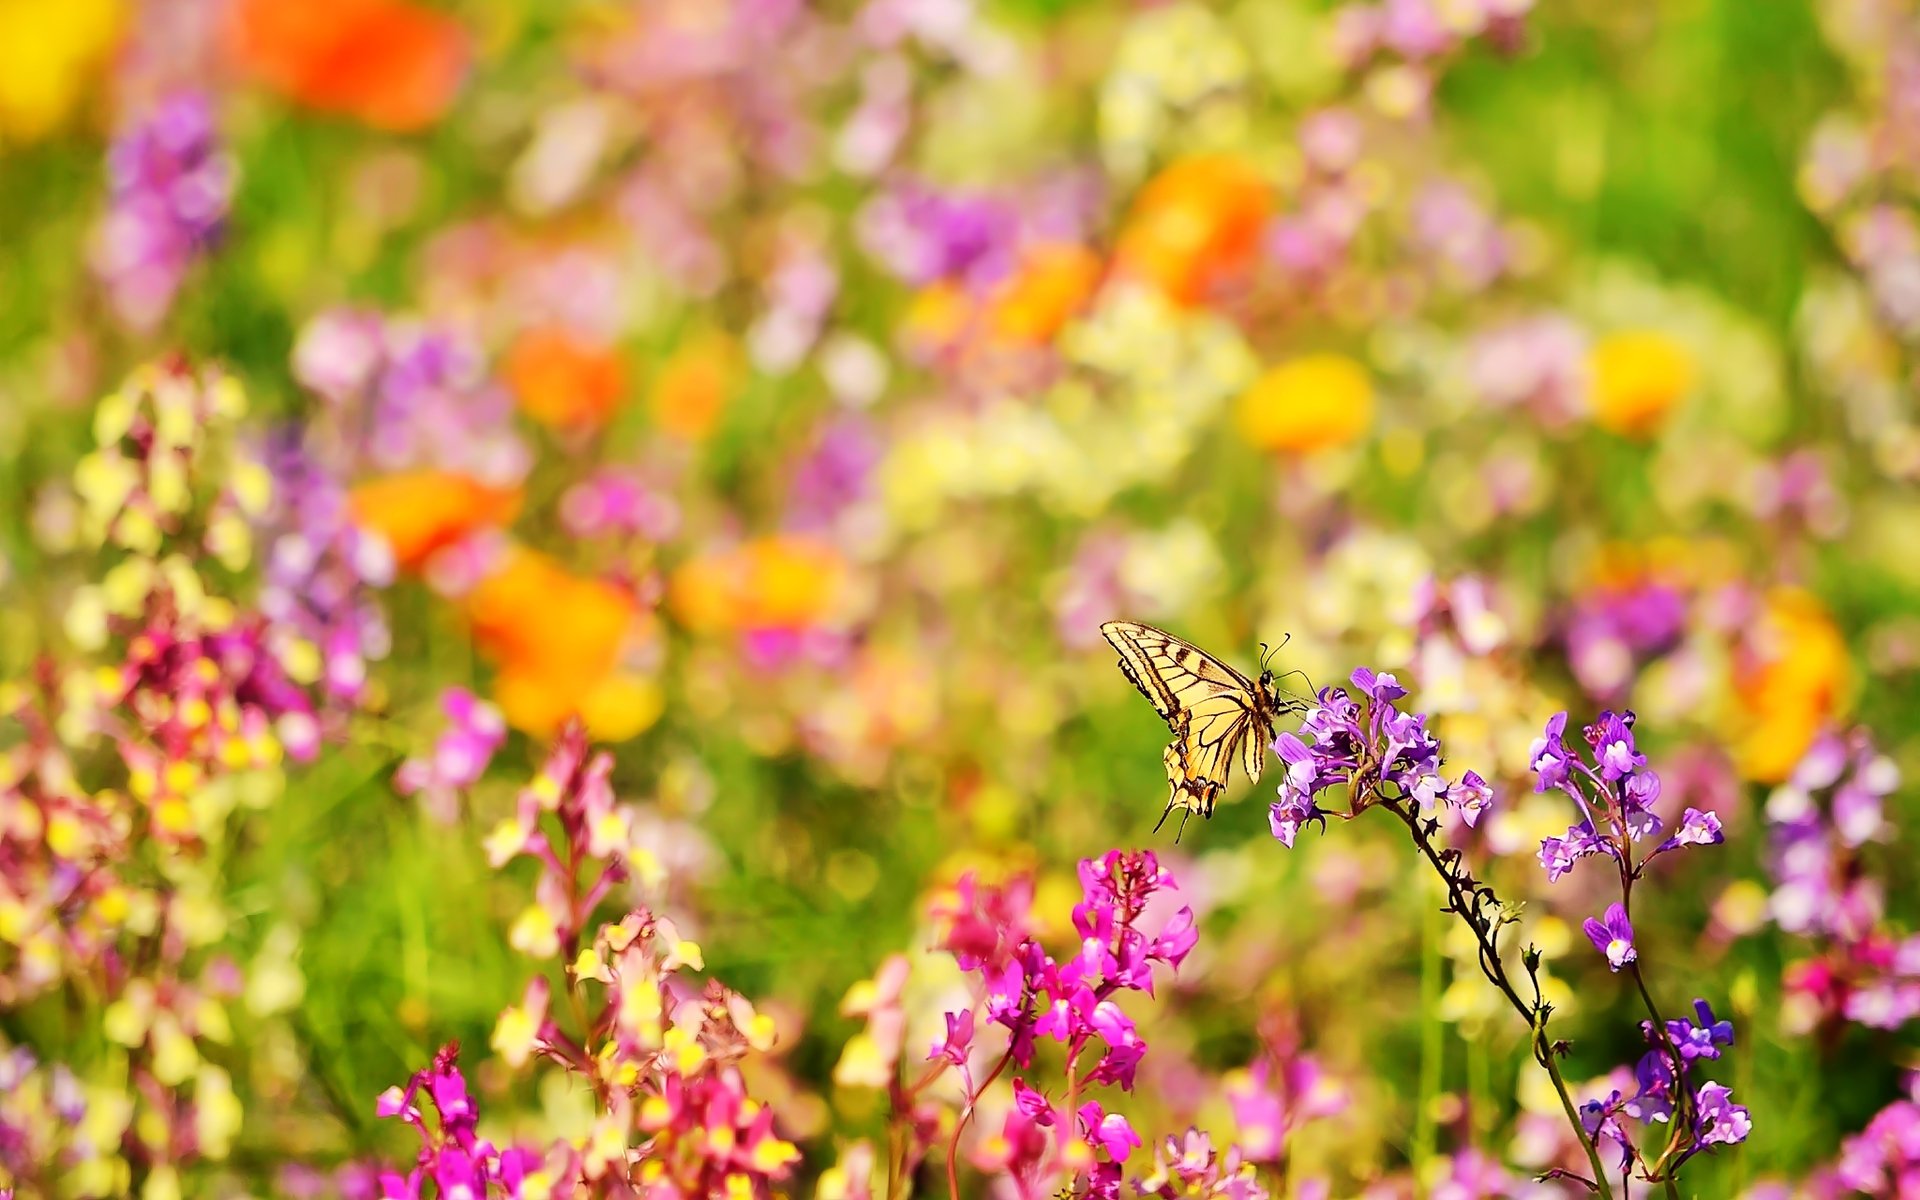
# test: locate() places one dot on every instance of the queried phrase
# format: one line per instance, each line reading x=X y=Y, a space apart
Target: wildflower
x=460 y=755
x=1049 y=286
x=562 y=642
x=694 y=386
x=1638 y=377
x=322 y=575
x=171 y=186
x=563 y=380
x=1312 y=403
x=50 y=58
x=1375 y=750
x=1790 y=679
x=1612 y=936
x=1194 y=227
x=392 y=64
x=420 y=513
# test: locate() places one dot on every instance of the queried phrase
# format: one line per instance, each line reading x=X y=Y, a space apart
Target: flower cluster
x=1700 y=1114
x=1615 y=793
x=322 y=575
x=405 y=394
x=453 y=1157
x=1032 y=998
x=118 y=788
x=661 y=1054
x=1821 y=820
x=171 y=185
x=1374 y=750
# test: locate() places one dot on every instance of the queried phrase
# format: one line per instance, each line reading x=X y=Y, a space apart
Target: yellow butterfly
x=1216 y=713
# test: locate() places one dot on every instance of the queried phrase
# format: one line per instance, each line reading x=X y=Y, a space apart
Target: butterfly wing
x=1215 y=712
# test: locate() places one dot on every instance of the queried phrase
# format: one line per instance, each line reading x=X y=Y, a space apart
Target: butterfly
x=1216 y=713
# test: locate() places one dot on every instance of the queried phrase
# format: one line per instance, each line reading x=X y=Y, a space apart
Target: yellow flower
x=1311 y=403
x=1638 y=376
x=1793 y=687
x=50 y=53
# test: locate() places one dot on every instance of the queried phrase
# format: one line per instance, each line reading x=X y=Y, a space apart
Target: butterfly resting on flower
x=1216 y=713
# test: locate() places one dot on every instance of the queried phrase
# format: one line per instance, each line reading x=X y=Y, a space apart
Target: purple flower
x=1558 y=854
x=1383 y=687
x=170 y=189
x=1108 y=1131
x=1613 y=936
x=1613 y=747
x=1600 y=1118
x=1472 y=796
x=1702 y=1039
x=959 y=1040
x=1549 y=758
x=1720 y=1122
x=1696 y=829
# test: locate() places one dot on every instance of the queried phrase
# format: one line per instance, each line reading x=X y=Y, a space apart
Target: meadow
x=554 y=554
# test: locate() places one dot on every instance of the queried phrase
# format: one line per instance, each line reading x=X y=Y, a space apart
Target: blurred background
x=789 y=390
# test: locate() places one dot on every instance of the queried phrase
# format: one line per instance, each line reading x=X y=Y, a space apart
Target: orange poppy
x=394 y=65
x=1053 y=283
x=562 y=380
x=1639 y=377
x=419 y=512
x=691 y=392
x=1793 y=687
x=559 y=639
x=1194 y=226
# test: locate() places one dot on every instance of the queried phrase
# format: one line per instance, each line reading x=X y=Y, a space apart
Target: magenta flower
x=1613 y=936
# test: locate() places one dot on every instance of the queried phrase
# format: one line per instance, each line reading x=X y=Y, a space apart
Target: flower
x=1194 y=227
x=1315 y=402
x=564 y=380
x=1612 y=936
x=1637 y=378
x=50 y=57
x=460 y=755
x=420 y=513
x=694 y=386
x=783 y=582
x=1049 y=285
x=1376 y=751
x=1790 y=680
x=391 y=64
x=563 y=643
x=1721 y=1122
x=171 y=186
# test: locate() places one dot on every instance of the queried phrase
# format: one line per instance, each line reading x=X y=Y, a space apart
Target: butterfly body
x=1217 y=715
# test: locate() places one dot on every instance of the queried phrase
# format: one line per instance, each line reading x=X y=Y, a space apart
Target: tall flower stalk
x=1385 y=758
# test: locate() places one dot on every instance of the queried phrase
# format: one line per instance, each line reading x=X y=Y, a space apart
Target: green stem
x=1543 y=1054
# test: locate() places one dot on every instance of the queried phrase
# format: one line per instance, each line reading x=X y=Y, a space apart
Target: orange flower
x=389 y=63
x=694 y=386
x=1196 y=224
x=1792 y=687
x=419 y=512
x=559 y=640
x=563 y=380
x=779 y=582
x=1311 y=403
x=1051 y=285
x=1637 y=378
